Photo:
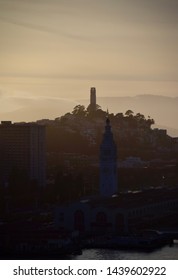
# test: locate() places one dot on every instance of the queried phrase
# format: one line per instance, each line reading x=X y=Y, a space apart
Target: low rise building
x=124 y=213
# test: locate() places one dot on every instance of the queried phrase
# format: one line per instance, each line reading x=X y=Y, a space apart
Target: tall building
x=93 y=98
x=22 y=147
x=108 y=163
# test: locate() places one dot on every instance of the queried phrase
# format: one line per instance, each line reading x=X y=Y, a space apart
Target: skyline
x=58 y=49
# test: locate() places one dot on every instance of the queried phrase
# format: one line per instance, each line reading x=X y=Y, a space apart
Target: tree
x=140 y=117
x=100 y=114
x=129 y=113
x=91 y=110
x=79 y=110
x=119 y=116
x=150 y=122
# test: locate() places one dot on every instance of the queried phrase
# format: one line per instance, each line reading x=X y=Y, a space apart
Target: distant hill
x=41 y=108
x=164 y=110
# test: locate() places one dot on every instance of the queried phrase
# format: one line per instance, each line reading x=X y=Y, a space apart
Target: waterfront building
x=129 y=212
x=22 y=147
x=123 y=213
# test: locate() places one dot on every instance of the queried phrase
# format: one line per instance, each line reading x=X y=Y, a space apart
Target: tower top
x=93 y=89
x=93 y=98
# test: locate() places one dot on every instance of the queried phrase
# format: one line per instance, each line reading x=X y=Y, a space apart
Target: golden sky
x=61 y=48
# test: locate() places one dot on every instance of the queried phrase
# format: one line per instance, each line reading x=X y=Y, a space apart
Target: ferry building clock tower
x=108 y=163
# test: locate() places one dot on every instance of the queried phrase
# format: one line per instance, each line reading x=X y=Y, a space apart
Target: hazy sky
x=60 y=48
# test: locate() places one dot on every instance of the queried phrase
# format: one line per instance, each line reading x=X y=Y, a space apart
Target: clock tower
x=108 y=163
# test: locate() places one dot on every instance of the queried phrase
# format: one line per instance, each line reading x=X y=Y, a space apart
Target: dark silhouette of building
x=93 y=99
x=125 y=213
x=22 y=147
x=108 y=163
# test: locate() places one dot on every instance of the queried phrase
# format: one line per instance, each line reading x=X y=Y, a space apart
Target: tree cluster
x=129 y=117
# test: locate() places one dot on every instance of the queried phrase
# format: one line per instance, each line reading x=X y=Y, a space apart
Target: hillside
x=164 y=110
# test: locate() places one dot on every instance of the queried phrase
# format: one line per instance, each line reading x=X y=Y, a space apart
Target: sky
x=55 y=50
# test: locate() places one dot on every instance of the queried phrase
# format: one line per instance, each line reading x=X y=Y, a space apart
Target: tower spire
x=108 y=163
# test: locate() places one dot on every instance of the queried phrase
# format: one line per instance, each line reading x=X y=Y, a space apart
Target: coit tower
x=93 y=98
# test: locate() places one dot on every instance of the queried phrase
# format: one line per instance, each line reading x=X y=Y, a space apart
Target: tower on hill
x=92 y=99
x=108 y=163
